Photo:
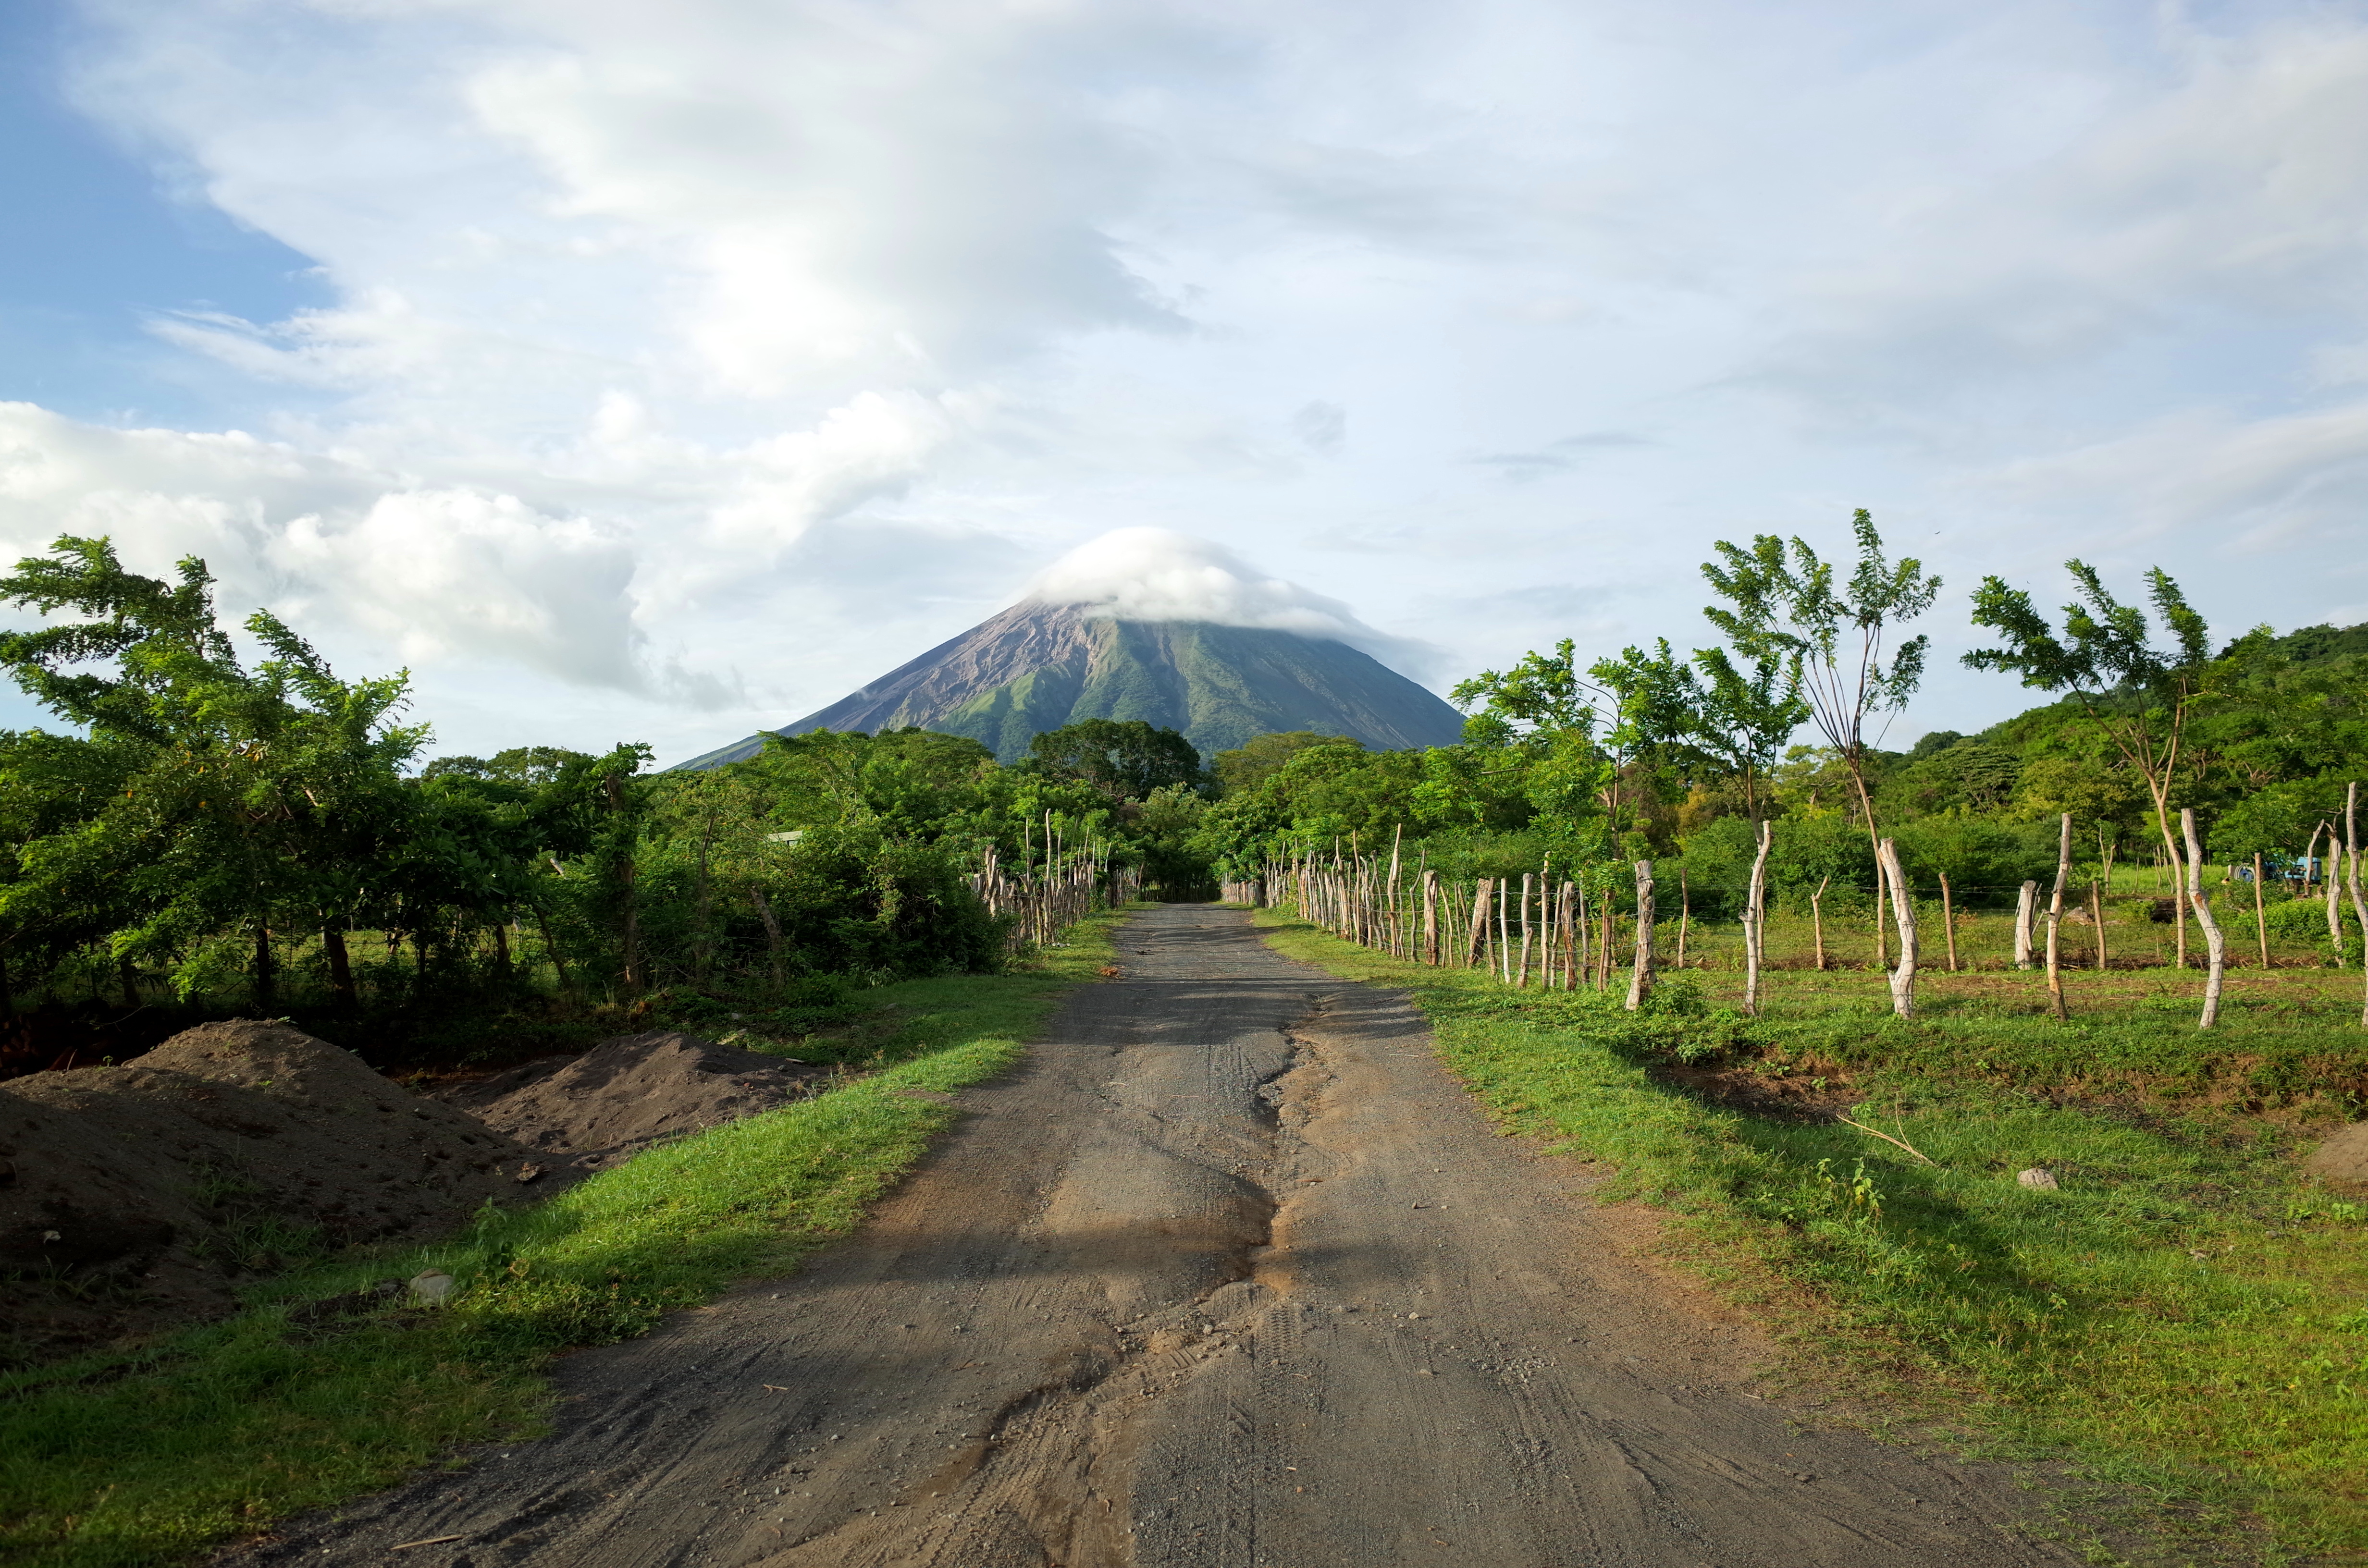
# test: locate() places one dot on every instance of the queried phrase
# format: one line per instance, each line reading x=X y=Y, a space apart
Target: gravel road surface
x=1228 y=1275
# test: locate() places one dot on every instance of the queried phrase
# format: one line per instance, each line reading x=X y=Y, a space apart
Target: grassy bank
x=149 y=1455
x=2184 y=1313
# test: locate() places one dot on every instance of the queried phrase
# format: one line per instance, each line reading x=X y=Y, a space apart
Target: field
x=2184 y=1315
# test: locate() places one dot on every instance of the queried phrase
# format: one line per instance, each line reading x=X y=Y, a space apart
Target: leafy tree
x=1784 y=610
x=1537 y=723
x=247 y=797
x=2141 y=699
x=1125 y=758
x=1251 y=763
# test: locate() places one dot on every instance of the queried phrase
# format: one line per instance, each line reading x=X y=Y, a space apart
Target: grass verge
x=2183 y=1314
x=149 y=1455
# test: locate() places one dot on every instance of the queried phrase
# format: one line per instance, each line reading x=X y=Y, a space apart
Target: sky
x=660 y=372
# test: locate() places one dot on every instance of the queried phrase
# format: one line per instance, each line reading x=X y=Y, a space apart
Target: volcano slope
x=1229 y=1274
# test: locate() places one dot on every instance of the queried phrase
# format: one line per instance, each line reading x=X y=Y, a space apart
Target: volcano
x=1037 y=666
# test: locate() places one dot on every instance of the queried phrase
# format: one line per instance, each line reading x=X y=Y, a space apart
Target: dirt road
x=1229 y=1275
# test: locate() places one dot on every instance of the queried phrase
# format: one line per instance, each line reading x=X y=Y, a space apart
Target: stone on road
x=1229 y=1273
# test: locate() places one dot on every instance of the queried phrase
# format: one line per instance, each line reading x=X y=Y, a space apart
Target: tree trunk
x=502 y=946
x=2215 y=947
x=1528 y=891
x=2026 y=912
x=1948 y=921
x=2330 y=872
x=1754 y=923
x=2359 y=900
x=1475 y=941
x=341 y=969
x=1640 y=977
x=2261 y=909
x=772 y=933
x=558 y=964
x=1903 y=910
x=266 y=976
x=2055 y=919
x=1504 y=937
x=1817 y=919
x=1573 y=922
x=2097 y=921
x=1685 y=915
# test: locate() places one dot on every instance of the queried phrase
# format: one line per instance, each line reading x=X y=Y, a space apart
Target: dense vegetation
x=220 y=832
x=223 y=833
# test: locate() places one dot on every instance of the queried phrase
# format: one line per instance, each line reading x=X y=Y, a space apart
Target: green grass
x=153 y=1454
x=2184 y=1314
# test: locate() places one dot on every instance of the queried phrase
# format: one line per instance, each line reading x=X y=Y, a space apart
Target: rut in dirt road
x=1229 y=1274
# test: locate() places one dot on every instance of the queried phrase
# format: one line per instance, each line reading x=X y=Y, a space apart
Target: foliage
x=1126 y=759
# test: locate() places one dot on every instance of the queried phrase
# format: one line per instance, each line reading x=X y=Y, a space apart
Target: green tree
x=1125 y=758
x=239 y=799
x=1784 y=610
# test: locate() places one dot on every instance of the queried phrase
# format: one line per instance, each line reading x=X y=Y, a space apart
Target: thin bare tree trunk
x=1431 y=918
x=2097 y=921
x=1903 y=911
x=1475 y=938
x=2215 y=947
x=1528 y=891
x=267 y=975
x=2261 y=909
x=1685 y=915
x=1817 y=918
x=2055 y=919
x=1640 y=979
x=772 y=933
x=1503 y=935
x=1754 y=923
x=2026 y=910
x=2180 y=879
x=341 y=969
x=1948 y=921
x=2330 y=872
x=2359 y=902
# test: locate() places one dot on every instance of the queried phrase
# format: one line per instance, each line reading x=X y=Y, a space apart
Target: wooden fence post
x=1640 y=977
x=2215 y=947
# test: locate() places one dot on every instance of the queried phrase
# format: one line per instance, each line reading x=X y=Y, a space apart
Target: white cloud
x=784 y=337
x=1159 y=574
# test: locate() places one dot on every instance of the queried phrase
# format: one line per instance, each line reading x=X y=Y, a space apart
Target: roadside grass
x=2184 y=1315
x=149 y=1455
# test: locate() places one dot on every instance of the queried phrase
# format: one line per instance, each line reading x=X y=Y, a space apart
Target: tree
x=1538 y=723
x=2140 y=699
x=238 y=798
x=1125 y=758
x=1784 y=609
x=1785 y=606
x=1251 y=763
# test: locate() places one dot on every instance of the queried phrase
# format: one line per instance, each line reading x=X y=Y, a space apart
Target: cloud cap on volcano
x=1160 y=574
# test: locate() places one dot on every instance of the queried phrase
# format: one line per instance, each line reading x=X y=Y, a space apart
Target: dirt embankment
x=625 y=1095
x=136 y=1197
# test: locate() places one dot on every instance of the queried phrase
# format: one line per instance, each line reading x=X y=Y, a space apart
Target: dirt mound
x=627 y=1094
x=134 y=1196
x=2342 y=1160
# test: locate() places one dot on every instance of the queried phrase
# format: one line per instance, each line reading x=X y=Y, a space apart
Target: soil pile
x=133 y=1197
x=624 y=1095
x=2342 y=1160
